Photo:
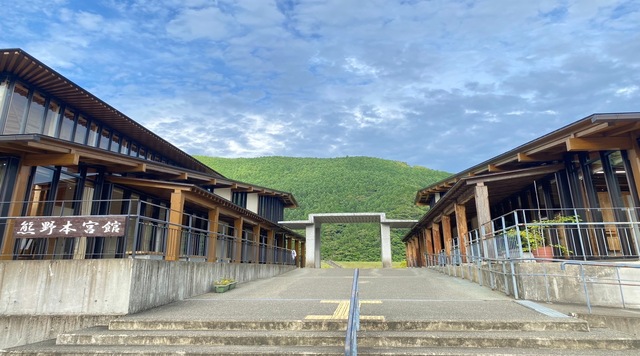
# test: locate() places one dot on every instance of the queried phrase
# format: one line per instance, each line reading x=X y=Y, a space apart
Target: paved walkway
x=389 y=294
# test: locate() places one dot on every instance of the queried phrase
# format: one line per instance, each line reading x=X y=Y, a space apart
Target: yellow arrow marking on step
x=342 y=311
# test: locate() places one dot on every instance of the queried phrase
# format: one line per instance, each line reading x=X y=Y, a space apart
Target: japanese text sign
x=69 y=226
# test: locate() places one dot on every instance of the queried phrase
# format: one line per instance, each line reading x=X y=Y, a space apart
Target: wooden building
x=573 y=191
x=81 y=180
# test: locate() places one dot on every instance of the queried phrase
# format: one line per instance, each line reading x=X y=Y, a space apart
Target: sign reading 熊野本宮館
x=69 y=226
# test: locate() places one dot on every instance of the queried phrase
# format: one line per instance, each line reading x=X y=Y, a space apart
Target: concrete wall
x=157 y=283
x=42 y=298
x=16 y=330
x=547 y=282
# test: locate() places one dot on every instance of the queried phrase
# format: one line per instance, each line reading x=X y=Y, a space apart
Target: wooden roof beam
x=56 y=159
x=598 y=144
x=525 y=158
x=547 y=146
x=138 y=168
x=43 y=146
x=593 y=129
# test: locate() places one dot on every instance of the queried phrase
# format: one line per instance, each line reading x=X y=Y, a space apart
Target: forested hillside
x=339 y=185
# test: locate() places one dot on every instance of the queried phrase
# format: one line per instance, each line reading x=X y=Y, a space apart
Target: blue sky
x=444 y=84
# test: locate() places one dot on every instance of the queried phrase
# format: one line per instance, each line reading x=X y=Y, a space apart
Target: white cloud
x=358 y=67
x=423 y=82
x=627 y=91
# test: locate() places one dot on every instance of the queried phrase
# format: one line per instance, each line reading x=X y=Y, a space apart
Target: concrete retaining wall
x=547 y=282
x=63 y=295
x=16 y=330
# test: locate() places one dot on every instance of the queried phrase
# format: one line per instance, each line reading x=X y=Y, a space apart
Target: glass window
x=142 y=153
x=81 y=129
x=134 y=150
x=65 y=194
x=40 y=191
x=51 y=120
x=115 y=142
x=104 y=139
x=117 y=198
x=17 y=108
x=3 y=91
x=66 y=126
x=124 y=146
x=92 y=140
x=36 y=114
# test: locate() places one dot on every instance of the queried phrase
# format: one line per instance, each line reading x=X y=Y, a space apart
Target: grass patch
x=365 y=264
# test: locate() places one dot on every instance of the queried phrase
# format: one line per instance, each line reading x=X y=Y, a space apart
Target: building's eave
x=18 y=63
x=539 y=149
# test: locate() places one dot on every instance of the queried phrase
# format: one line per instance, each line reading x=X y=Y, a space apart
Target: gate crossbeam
x=314 y=231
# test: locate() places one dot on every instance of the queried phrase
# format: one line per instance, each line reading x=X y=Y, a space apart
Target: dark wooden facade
x=65 y=152
x=589 y=169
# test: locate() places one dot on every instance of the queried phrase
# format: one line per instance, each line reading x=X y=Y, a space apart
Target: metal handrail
x=617 y=266
x=501 y=274
x=353 y=324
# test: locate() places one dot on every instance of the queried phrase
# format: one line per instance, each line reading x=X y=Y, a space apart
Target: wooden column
x=437 y=243
x=428 y=237
x=412 y=251
x=483 y=208
x=214 y=219
x=421 y=248
x=256 y=244
x=407 y=248
x=175 y=220
x=463 y=231
x=298 y=253
x=446 y=232
x=634 y=162
x=19 y=192
x=237 y=234
x=270 y=247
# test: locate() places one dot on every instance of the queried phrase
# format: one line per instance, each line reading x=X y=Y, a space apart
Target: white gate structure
x=313 y=228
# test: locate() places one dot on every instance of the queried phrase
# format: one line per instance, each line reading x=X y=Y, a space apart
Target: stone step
x=565 y=324
x=49 y=348
x=567 y=340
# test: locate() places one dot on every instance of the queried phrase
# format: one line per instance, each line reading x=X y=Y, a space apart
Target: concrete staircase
x=560 y=336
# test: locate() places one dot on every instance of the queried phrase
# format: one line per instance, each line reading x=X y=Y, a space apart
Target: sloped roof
x=19 y=63
x=589 y=133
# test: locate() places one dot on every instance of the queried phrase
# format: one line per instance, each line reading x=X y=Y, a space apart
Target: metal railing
x=619 y=282
x=145 y=234
x=592 y=283
x=584 y=234
x=353 y=323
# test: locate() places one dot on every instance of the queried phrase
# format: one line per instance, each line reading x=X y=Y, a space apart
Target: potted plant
x=533 y=239
x=223 y=285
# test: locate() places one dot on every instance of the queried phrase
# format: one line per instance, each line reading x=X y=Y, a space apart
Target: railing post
x=513 y=280
x=632 y=217
x=136 y=230
x=584 y=254
x=586 y=290
x=546 y=280
x=620 y=285
x=518 y=239
x=353 y=322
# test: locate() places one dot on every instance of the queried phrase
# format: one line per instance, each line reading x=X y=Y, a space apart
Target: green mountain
x=339 y=185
